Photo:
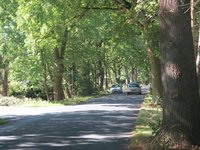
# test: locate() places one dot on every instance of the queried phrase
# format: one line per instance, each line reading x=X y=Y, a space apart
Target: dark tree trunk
x=198 y=59
x=58 y=80
x=115 y=73
x=155 y=76
x=119 y=74
x=181 y=115
x=106 y=78
x=45 y=74
x=86 y=85
x=193 y=21
x=45 y=85
x=127 y=75
x=59 y=68
x=5 y=81
x=110 y=77
x=133 y=74
x=94 y=73
x=101 y=76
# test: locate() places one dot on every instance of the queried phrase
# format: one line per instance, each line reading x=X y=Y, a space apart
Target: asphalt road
x=102 y=124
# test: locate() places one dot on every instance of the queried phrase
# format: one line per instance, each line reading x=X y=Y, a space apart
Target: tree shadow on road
x=107 y=127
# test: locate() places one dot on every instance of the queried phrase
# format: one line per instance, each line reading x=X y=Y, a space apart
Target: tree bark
x=198 y=59
x=45 y=85
x=5 y=80
x=193 y=21
x=94 y=73
x=59 y=68
x=157 y=88
x=115 y=73
x=106 y=78
x=58 y=80
x=181 y=98
x=134 y=74
x=127 y=75
x=101 y=76
x=87 y=85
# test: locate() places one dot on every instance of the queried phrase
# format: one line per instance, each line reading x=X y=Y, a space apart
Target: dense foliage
x=70 y=48
x=83 y=46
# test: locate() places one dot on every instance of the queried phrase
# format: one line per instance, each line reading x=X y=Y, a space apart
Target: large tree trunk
x=86 y=85
x=181 y=98
x=106 y=78
x=45 y=74
x=101 y=76
x=94 y=73
x=58 y=80
x=5 y=80
x=45 y=85
x=198 y=59
x=157 y=88
x=127 y=75
x=59 y=68
x=193 y=21
x=115 y=73
x=134 y=74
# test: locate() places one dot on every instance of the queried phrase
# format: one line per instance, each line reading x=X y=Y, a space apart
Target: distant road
x=102 y=124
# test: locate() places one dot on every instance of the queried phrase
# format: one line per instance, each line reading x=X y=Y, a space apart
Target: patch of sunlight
x=5 y=138
x=57 y=144
x=26 y=144
x=102 y=136
x=31 y=135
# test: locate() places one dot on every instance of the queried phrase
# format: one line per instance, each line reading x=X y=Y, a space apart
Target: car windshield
x=133 y=85
x=116 y=85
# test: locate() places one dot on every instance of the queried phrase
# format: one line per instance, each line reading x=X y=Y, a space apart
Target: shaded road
x=102 y=124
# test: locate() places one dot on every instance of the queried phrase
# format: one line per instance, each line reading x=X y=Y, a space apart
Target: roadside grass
x=147 y=125
x=146 y=134
x=28 y=102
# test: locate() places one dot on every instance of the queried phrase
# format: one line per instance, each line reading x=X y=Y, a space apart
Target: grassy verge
x=146 y=126
x=28 y=102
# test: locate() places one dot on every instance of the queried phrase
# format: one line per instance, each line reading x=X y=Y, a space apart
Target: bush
x=17 y=89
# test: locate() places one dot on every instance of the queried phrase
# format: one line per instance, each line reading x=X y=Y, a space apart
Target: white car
x=116 y=88
x=134 y=88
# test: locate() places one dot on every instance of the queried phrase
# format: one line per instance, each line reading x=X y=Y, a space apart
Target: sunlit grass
x=148 y=116
x=28 y=102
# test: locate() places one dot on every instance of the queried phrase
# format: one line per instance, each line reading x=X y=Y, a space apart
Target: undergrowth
x=147 y=134
x=147 y=124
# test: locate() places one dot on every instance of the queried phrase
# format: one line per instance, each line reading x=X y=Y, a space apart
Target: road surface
x=102 y=124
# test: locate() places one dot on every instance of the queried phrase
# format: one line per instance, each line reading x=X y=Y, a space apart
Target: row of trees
x=68 y=48
x=80 y=47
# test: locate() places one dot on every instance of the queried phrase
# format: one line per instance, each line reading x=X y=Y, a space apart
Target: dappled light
x=105 y=123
